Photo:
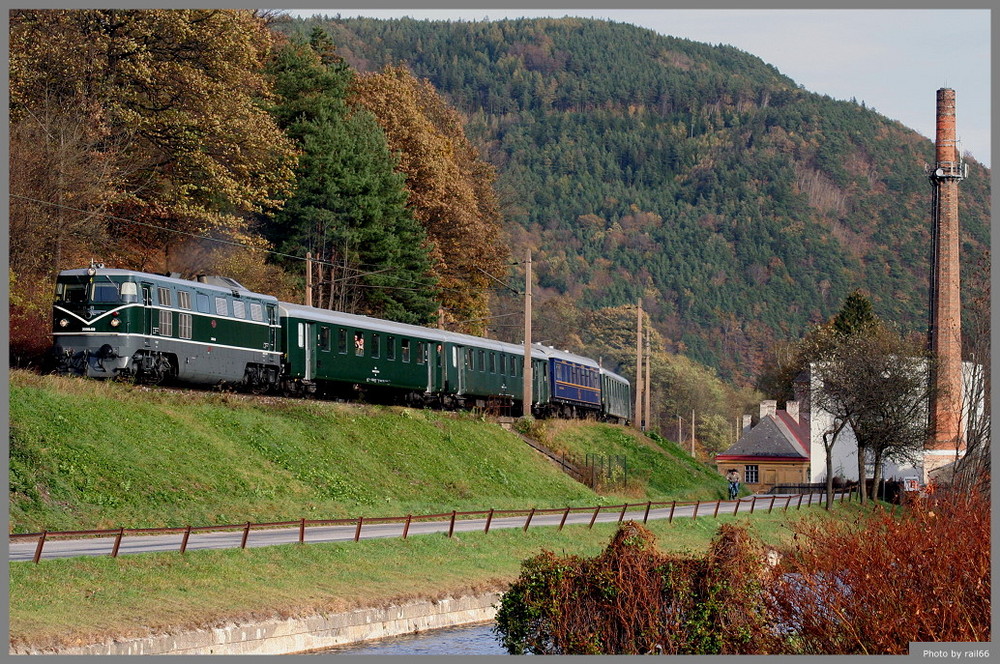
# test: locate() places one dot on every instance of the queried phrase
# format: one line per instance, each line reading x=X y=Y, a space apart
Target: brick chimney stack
x=946 y=323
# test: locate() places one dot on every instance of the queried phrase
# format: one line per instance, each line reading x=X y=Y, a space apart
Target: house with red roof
x=773 y=451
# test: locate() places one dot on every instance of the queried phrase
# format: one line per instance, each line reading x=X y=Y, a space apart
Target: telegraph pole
x=527 y=334
x=309 y=279
x=649 y=398
x=639 y=423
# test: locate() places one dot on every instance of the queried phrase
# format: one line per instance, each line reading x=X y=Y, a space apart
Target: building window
x=166 y=323
x=750 y=474
x=184 y=326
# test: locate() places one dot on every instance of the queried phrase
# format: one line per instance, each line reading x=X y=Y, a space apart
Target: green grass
x=658 y=469
x=81 y=600
x=87 y=455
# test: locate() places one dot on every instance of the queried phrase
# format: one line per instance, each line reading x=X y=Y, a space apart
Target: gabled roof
x=773 y=437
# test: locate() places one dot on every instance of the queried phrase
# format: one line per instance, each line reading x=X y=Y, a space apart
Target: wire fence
x=742 y=505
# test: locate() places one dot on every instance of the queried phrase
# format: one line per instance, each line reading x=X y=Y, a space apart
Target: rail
x=118 y=534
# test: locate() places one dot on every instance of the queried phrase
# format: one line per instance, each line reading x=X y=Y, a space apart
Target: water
x=464 y=640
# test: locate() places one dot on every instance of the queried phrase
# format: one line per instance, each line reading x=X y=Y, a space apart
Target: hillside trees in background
x=450 y=189
x=127 y=126
x=350 y=206
x=695 y=176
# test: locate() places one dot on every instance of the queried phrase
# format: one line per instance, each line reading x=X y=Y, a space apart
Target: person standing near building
x=733 y=476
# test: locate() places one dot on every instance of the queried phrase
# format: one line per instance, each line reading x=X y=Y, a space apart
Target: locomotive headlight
x=63 y=322
x=115 y=322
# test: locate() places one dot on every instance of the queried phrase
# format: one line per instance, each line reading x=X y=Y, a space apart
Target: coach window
x=405 y=349
x=164 y=296
x=324 y=338
x=376 y=345
x=184 y=299
x=421 y=352
x=437 y=358
x=359 y=343
x=493 y=362
x=342 y=341
x=482 y=360
x=390 y=348
x=302 y=335
x=468 y=358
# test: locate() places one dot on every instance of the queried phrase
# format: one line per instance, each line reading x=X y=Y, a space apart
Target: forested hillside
x=739 y=206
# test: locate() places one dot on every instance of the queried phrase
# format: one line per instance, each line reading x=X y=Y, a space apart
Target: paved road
x=24 y=549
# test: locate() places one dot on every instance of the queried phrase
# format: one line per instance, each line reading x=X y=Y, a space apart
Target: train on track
x=114 y=323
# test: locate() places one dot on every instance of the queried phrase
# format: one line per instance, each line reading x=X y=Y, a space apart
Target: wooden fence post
x=38 y=549
x=715 y=515
x=809 y=504
x=799 y=506
x=302 y=531
x=118 y=542
x=621 y=517
x=697 y=504
x=753 y=503
x=184 y=540
x=563 y=520
x=357 y=531
x=670 y=519
x=451 y=526
x=594 y=518
x=489 y=518
x=645 y=517
x=737 y=508
x=528 y=520
x=787 y=503
x=406 y=526
x=246 y=535
x=771 y=506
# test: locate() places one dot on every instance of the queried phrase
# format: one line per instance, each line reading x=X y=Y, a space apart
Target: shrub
x=882 y=582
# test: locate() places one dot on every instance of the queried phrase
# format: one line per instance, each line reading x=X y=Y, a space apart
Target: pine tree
x=349 y=208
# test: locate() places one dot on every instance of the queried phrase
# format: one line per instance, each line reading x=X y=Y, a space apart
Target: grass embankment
x=64 y=602
x=86 y=455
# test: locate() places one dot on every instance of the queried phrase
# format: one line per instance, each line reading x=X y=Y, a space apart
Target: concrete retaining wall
x=283 y=637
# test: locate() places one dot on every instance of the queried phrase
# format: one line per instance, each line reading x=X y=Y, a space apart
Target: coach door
x=307 y=342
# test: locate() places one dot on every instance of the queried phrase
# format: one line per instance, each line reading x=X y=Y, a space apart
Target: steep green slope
x=86 y=454
x=739 y=206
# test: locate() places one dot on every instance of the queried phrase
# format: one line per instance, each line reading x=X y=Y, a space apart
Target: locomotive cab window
x=106 y=293
x=71 y=293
